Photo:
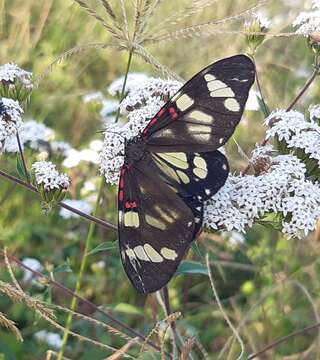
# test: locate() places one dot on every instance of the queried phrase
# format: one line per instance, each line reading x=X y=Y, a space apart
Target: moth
x=173 y=166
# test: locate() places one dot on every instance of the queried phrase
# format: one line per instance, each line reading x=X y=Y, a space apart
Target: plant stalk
x=83 y=264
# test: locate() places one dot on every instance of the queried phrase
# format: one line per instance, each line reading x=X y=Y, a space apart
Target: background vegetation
x=268 y=285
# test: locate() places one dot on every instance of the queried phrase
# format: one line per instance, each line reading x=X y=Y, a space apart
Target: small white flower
x=33 y=264
x=284 y=189
x=52 y=339
x=61 y=148
x=10 y=119
x=10 y=73
x=260 y=19
x=47 y=175
x=143 y=100
x=314 y=111
x=108 y=107
x=308 y=22
x=133 y=80
x=31 y=133
x=292 y=127
x=81 y=205
x=96 y=96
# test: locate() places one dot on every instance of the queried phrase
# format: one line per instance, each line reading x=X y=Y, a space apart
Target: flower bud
x=51 y=184
x=258 y=25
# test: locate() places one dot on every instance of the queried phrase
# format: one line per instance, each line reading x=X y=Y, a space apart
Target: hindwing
x=156 y=227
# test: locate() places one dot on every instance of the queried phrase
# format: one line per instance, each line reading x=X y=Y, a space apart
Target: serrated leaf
x=191 y=267
x=105 y=246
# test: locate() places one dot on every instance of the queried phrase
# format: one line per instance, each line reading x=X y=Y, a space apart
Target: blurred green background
x=267 y=283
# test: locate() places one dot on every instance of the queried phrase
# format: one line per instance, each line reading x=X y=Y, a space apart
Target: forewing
x=204 y=113
x=156 y=227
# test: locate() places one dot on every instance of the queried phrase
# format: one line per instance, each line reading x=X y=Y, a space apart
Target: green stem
x=124 y=83
x=25 y=169
x=74 y=302
x=83 y=264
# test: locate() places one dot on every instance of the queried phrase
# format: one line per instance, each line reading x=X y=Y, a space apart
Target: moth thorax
x=135 y=150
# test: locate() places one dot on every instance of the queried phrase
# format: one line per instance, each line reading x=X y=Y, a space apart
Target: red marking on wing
x=121 y=195
x=173 y=113
x=121 y=183
x=131 y=205
x=153 y=121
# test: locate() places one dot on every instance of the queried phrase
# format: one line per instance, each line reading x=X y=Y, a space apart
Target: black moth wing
x=204 y=113
x=194 y=174
x=156 y=227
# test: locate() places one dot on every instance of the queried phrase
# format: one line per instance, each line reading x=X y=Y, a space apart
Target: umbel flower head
x=51 y=184
x=307 y=23
x=257 y=24
x=15 y=82
x=10 y=119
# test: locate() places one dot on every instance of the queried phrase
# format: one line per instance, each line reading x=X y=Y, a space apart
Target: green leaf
x=191 y=267
x=20 y=168
x=263 y=106
x=127 y=309
x=63 y=268
x=105 y=246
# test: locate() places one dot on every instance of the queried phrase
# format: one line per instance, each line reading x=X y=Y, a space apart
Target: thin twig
x=66 y=290
x=62 y=204
x=166 y=300
x=228 y=321
x=304 y=89
x=284 y=339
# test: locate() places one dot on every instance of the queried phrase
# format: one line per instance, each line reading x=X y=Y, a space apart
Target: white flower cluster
x=292 y=127
x=108 y=106
x=258 y=18
x=10 y=73
x=10 y=119
x=284 y=189
x=314 y=111
x=133 y=80
x=308 y=22
x=81 y=205
x=143 y=101
x=32 y=133
x=48 y=176
x=51 y=338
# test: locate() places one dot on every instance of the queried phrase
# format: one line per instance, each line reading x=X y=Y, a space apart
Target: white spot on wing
x=168 y=254
x=201 y=173
x=184 y=102
x=153 y=255
x=201 y=116
x=215 y=85
x=232 y=105
x=157 y=223
x=184 y=177
x=140 y=253
x=200 y=162
x=178 y=159
x=131 y=219
x=227 y=92
x=209 y=77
